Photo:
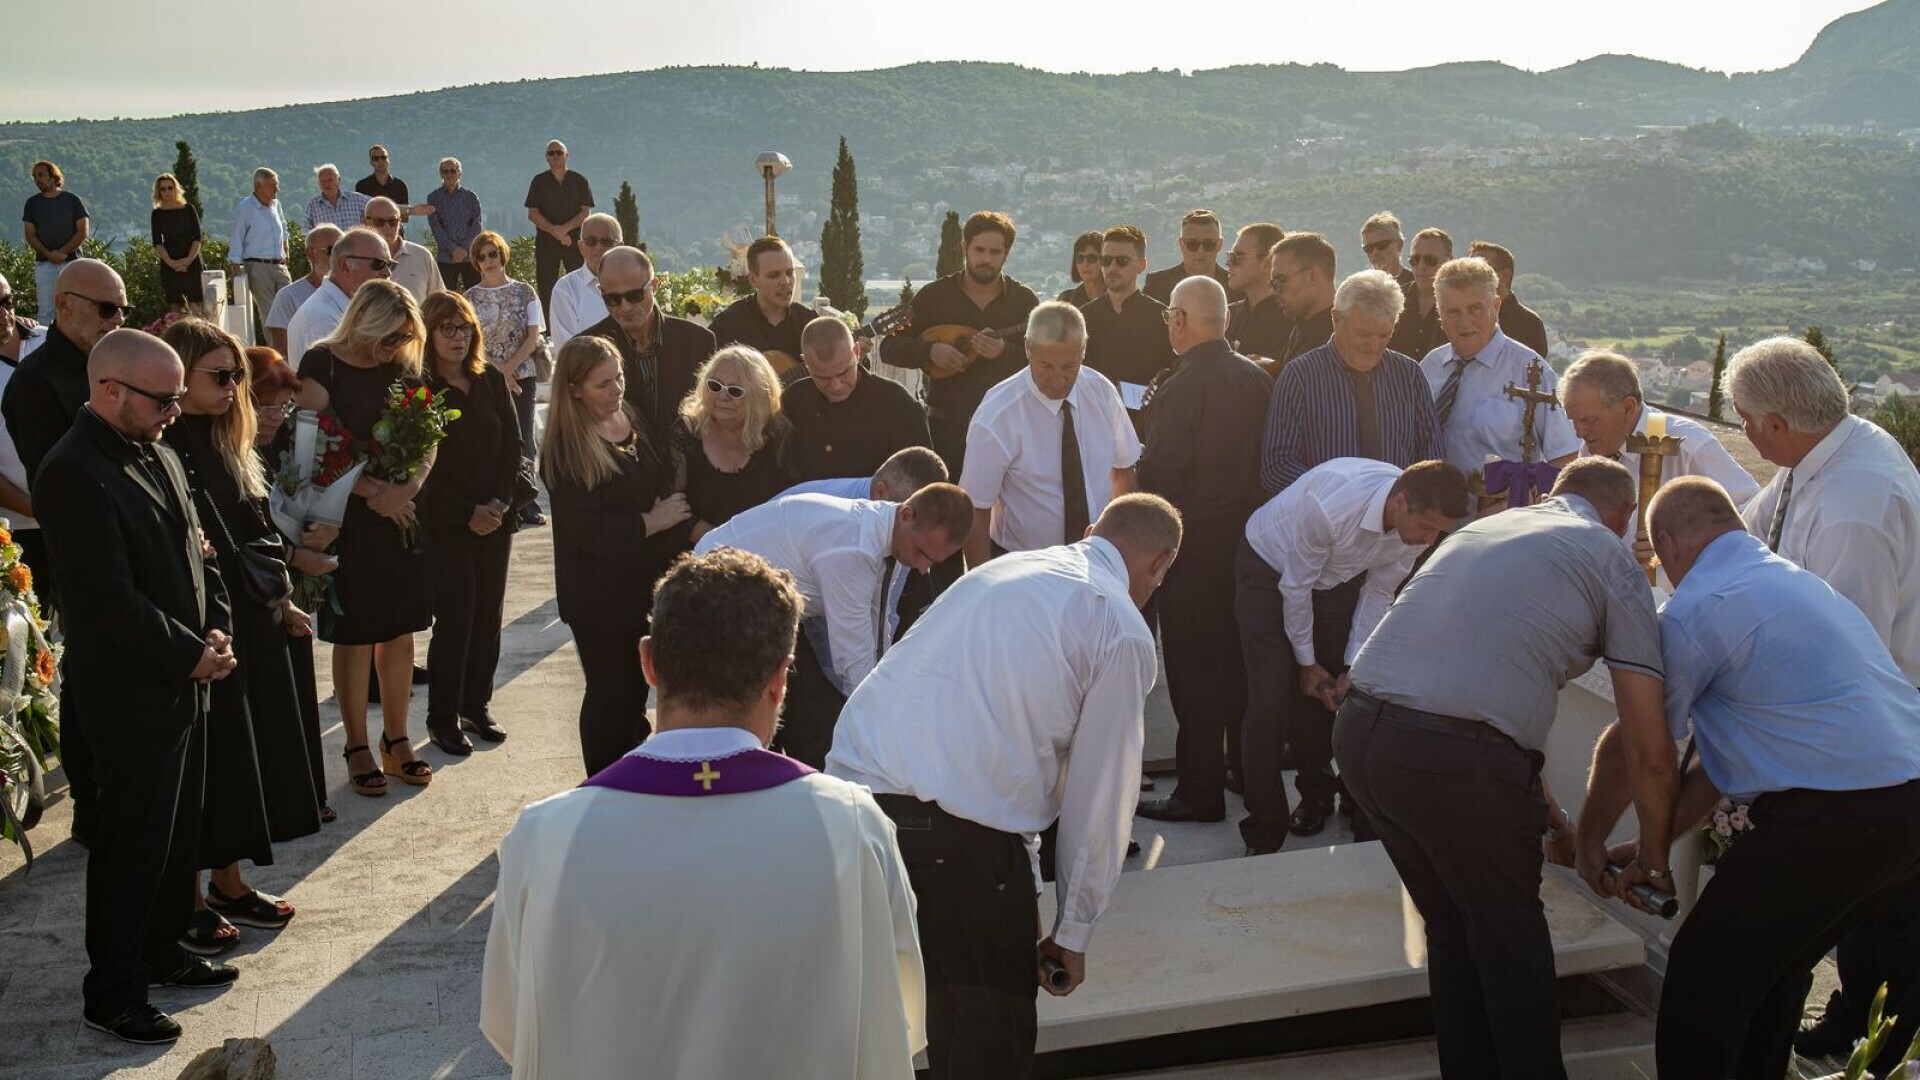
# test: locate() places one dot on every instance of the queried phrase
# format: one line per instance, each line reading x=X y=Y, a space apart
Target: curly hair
x=723 y=624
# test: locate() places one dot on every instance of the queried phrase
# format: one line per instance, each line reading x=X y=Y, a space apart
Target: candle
x=1656 y=425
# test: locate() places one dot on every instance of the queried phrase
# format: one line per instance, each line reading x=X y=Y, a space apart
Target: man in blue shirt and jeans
x=1797 y=708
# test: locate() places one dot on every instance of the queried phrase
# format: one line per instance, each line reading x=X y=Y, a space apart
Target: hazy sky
x=140 y=58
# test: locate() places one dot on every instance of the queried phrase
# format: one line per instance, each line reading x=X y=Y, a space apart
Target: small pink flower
x=1739 y=820
x=1720 y=827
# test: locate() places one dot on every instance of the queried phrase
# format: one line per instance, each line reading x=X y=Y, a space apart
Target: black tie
x=880 y=606
x=1073 y=480
x=1450 y=390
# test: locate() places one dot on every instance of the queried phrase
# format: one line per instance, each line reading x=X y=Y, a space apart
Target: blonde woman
x=731 y=438
x=617 y=524
x=383 y=586
x=176 y=243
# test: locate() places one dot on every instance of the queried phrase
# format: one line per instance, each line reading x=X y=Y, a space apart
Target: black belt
x=269 y=262
x=1452 y=725
x=906 y=806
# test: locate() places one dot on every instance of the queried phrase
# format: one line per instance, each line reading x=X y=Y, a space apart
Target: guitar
x=886 y=324
x=961 y=338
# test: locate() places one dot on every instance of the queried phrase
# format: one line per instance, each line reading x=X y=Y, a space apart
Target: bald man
x=1201 y=430
x=413 y=265
x=146 y=619
x=659 y=352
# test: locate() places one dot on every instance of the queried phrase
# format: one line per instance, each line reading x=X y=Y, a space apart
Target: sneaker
x=197 y=974
x=142 y=1024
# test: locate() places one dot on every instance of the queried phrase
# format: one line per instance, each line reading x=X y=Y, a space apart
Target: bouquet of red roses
x=412 y=425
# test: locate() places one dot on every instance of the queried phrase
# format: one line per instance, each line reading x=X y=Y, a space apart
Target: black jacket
x=43 y=397
x=1203 y=435
x=604 y=563
x=856 y=436
x=679 y=348
x=478 y=461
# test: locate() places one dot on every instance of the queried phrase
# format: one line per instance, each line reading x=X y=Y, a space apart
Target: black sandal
x=204 y=934
x=372 y=783
x=254 y=909
x=415 y=773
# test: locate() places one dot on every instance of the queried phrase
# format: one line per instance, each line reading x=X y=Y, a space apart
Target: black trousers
x=524 y=404
x=459 y=276
x=1460 y=809
x=1206 y=678
x=979 y=928
x=550 y=260
x=1816 y=864
x=1277 y=712
x=613 y=710
x=76 y=754
x=140 y=870
x=812 y=708
x=1884 y=947
x=469 y=600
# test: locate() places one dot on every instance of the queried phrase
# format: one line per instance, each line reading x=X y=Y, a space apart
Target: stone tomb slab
x=1207 y=945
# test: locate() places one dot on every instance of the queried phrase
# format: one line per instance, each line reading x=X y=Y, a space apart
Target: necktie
x=1073 y=481
x=885 y=602
x=1450 y=389
x=1779 y=524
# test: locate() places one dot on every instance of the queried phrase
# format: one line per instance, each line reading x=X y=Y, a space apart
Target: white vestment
x=760 y=934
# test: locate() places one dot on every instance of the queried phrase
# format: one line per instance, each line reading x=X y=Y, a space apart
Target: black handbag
x=526 y=488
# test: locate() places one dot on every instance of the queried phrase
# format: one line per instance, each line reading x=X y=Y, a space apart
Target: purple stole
x=737 y=773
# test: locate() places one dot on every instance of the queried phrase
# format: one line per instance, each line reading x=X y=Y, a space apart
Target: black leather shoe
x=1347 y=806
x=1255 y=851
x=198 y=974
x=1235 y=784
x=141 y=1024
x=1828 y=1036
x=447 y=736
x=485 y=727
x=1172 y=809
x=1133 y=848
x=420 y=676
x=1309 y=819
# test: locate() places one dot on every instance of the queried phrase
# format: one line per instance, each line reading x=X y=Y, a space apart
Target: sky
x=131 y=58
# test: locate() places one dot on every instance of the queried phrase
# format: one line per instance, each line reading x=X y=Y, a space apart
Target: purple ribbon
x=1523 y=482
x=734 y=774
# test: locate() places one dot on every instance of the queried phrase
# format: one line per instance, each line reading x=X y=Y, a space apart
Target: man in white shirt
x=414 y=268
x=844 y=555
x=1344 y=519
x=907 y=471
x=320 y=243
x=359 y=256
x=1017 y=699
x=1470 y=373
x=577 y=303
x=258 y=243
x=743 y=874
x=1846 y=506
x=1049 y=446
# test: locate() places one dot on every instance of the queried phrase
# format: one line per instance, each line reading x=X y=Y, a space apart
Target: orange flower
x=20 y=578
x=6 y=536
x=43 y=667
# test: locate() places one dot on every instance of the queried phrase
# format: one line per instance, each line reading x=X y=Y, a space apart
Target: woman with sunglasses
x=510 y=320
x=1090 y=283
x=383 y=588
x=466 y=508
x=176 y=243
x=260 y=755
x=730 y=441
x=617 y=524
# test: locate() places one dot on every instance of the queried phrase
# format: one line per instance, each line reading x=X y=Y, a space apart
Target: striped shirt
x=1312 y=416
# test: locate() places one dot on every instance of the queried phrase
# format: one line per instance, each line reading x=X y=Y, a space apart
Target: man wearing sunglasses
x=381 y=183
x=1200 y=246
x=320 y=241
x=414 y=268
x=658 y=352
x=359 y=256
x=558 y=202
x=1381 y=240
x=1257 y=327
x=1126 y=328
x=1419 y=331
x=577 y=303
x=455 y=222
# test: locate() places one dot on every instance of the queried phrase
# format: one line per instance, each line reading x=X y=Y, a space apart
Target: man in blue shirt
x=1797 y=708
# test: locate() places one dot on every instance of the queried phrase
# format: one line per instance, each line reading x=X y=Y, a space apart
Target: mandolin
x=887 y=323
x=961 y=337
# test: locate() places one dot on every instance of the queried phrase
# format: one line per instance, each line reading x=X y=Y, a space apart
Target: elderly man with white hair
x=577 y=303
x=414 y=268
x=1601 y=394
x=359 y=256
x=258 y=243
x=334 y=205
x=319 y=240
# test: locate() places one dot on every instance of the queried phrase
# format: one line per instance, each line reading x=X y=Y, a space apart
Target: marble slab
x=1207 y=945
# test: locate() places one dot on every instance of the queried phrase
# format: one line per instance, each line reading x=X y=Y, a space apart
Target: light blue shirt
x=1786 y=682
x=840 y=487
x=259 y=231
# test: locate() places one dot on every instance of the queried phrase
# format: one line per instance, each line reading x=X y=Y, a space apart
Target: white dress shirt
x=1700 y=455
x=844 y=487
x=1016 y=699
x=415 y=270
x=1485 y=420
x=259 y=231
x=319 y=314
x=287 y=301
x=1326 y=528
x=1854 y=519
x=836 y=550
x=577 y=304
x=1013 y=456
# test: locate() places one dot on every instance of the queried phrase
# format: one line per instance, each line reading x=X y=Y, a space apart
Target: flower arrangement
x=29 y=696
x=315 y=476
x=1729 y=822
x=413 y=423
x=698 y=294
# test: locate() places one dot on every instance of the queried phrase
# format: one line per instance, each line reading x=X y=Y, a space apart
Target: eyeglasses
x=378 y=264
x=377 y=157
x=1279 y=281
x=556 y=153
x=1426 y=260
x=165 y=401
x=282 y=409
x=380 y=222
x=222 y=376
x=1235 y=258
x=449 y=172
x=1198 y=245
x=596 y=241
x=631 y=296
x=1166 y=315
x=397 y=338
x=1087 y=257
x=715 y=386
x=323 y=249
x=1115 y=260
x=108 y=308
x=487 y=255
x=454 y=329
x=1379 y=245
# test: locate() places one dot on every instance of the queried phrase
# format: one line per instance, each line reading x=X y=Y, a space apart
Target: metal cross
x=1534 y=397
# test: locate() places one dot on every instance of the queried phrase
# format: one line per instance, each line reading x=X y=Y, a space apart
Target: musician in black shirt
x=1517 y=320
x=846 y=422
x=1126 y=329
x=1303 y=281
x=1257 y=327
x=1199 y=246
x=768 y=320
x=1419 y=331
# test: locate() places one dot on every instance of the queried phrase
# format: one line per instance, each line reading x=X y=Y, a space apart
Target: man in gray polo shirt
x=1439 y=741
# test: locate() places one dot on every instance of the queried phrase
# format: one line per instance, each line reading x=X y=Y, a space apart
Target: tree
x=842 y=269
x=1716 y=393
x=1819 y=342
x=187 y=171
x=1899 y=415
x=906 y=292
x=953 y=255
x=626 y=209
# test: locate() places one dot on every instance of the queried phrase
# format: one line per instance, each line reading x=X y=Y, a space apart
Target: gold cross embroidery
x=707 y=775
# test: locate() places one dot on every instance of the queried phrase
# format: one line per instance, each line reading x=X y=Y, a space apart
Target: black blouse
x=715 y=496
x=603 y=571
x=175 y=229
x=479 y=459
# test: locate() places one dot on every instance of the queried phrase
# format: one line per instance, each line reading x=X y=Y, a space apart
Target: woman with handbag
x=260 y=754
x=467 y=510
x=510 y=318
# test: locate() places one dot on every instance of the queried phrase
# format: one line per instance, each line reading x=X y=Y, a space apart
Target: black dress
x=715 y=495
x=176 y=230
x=306 y=690
x=383 y=588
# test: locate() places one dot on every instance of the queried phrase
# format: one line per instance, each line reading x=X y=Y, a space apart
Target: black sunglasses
x=1379 y=245
x=1087 y=257
x=1200 y=245
x=222 y=376
x=379 y=222
x=1115 y=260
x=556 y=153
x=165 y=401
x=715 y=386
x=397 y=338
x=631 y=296
x=449 y=172
x=379 y=264
x=596 y=241
x=1426 y=260
x=108 y=308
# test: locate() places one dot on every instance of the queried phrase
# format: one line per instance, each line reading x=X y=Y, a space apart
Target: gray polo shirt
x=1505 y=612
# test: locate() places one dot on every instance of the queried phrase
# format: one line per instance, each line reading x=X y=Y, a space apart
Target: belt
x=1452 y=725
x=897 y=806
x=270 y=262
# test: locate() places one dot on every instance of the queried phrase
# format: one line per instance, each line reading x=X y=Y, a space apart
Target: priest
x=702 y=905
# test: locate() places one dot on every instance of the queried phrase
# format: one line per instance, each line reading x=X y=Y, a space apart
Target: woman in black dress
x=383 y=588
x=1089 y=283
x=617 y=524
x=259 y=779
x=176 y=243
x=467 y=506
x=731 y=439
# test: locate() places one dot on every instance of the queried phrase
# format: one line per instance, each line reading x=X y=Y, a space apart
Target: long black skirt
x=286 y=738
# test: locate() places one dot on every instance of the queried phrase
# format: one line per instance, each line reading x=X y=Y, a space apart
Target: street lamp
x=771 y=164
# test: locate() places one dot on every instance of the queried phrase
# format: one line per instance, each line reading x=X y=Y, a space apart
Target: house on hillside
x=1897 y=384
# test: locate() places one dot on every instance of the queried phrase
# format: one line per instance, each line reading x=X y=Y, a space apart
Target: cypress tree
x=1716 y=393
x=906 y=292
x=626 y=209
x=842 y=269
x=187 y=171
x=953 y=255
x=1819 y=342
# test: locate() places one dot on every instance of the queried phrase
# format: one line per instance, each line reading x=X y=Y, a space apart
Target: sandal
x=327 y=815
x=371 y=783
x=208 y=934
x=415 y=773
x=256 y=908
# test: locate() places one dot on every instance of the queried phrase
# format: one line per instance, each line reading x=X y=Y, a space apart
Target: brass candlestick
x=1654 y=448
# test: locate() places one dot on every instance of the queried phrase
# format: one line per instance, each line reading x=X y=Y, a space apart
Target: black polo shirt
x=1417 y=335
x=852 y=437
x=1159 y=284
x=743 y=323
x=558 y=200
x=1202 y=431
x=945 y=302
x=1128 y=345
x=1260 y=330
x=1522 y=324
x=395 y=189
x=1309 y=334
